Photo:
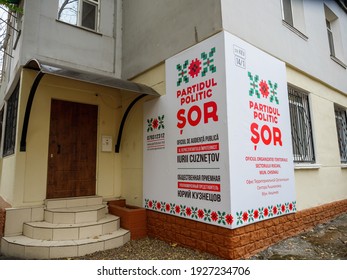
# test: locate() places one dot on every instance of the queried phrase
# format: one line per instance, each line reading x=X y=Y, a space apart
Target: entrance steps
x=69 y=228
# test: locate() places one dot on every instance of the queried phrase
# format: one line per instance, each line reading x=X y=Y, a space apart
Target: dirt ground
x=326 y=241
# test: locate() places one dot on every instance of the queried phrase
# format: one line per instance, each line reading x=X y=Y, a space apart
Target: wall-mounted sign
x=217 y=147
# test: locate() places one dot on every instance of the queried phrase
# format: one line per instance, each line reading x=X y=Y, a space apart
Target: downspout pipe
x=28 y=110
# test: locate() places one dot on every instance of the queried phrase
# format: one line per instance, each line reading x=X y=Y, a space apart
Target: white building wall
x=46 y=38
x=260 y=23
x=154 y=30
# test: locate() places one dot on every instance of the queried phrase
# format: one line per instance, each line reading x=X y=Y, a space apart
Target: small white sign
x=106 y=143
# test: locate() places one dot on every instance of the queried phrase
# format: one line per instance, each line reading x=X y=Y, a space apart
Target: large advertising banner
x=217 y=146
x=260 y=147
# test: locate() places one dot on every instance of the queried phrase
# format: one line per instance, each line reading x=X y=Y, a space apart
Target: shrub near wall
x=242 y=242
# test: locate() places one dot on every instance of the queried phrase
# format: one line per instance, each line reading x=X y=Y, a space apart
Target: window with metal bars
x=301 y=127
x=11 y=123
x=1 y=122
x=341 y=126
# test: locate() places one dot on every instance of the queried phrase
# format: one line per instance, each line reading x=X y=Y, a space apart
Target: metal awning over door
x=78 y=75
x=89 y=77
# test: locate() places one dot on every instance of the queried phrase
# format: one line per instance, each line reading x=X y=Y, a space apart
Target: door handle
x=59 y=148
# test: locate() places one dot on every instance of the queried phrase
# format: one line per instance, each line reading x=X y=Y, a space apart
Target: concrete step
x=73 y=231
x=75 y=215
x=24 y=247
x=73 y=202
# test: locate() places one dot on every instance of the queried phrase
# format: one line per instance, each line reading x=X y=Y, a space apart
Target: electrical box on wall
x=106 y=143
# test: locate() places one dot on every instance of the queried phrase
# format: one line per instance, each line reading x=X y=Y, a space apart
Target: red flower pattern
x=188 y=211
x=290 y=206
x=264 y=88
x=155 y=123
x=251 y=215
x=256 y=214
x=150 y=204
x=229 y=219
x=214 y=216
x=245 y=216
x=194 y=68
x=158 y=205
x=201 y=213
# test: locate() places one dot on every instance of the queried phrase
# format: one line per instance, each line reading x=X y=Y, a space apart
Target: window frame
x=287 y=11
x=335 y=43
x=341 y=130
x=293 y=17
x=301 y=126
x=10 y=131
x=330 y=38
x=80 y=17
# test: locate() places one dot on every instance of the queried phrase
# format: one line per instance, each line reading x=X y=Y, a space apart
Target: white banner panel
x=217 y=147
x=260 y=147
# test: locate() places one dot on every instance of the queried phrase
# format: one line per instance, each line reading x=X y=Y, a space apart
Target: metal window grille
x=301 y=127
x=11 y=123
x=1 y=122
x=341 y=126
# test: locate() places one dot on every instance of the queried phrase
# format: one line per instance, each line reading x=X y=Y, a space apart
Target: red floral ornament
x=274 y=210
x=194 y=68
x=245 y=216
x=188 y=211
x=158 y=205
x=150 y=204
x=283 y=208
x=167 y=207
x=264 y=88
x=214 y=216
x=201 y=213
x=256 y=214
x=177 y=209
x=266 y=212
x=155 y=123
x=291 y=206
x=229 y=219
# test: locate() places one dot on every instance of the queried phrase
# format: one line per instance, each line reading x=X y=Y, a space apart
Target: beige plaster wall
x=132 y=142
x=326 y=180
